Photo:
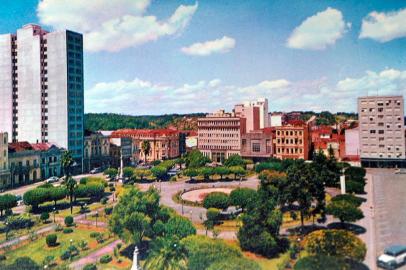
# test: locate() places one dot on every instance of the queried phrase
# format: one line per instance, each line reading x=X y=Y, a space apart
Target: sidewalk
x=95 y=256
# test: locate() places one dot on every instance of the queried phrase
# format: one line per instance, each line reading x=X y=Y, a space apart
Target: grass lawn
x=38 y=249
x=125 y=264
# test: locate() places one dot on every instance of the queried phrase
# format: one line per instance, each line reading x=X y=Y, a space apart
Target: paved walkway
x=95 y=256
x=19 y=239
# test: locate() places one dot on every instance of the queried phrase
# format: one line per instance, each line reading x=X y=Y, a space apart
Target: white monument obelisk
x=121 y=165
x=342 y=184
x=135 y=260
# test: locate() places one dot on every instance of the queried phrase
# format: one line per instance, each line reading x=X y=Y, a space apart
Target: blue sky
x=154 y=57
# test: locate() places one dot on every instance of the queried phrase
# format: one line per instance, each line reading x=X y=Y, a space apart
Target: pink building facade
x=352 y=144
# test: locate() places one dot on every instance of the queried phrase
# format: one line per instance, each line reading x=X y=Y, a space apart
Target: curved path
x=169 y=189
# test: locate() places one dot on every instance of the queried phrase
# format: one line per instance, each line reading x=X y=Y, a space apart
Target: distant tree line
x=111 y=121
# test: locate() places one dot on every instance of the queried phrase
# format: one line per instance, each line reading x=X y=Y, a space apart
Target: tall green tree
x=135 y=215
x=145 y=148
x=195 y=159
x=71 y=186
x=67 y=162
x=234 y=160
x=345 y=211
x=166 y=254
x=261 y=223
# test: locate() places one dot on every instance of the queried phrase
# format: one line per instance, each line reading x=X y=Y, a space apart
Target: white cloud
x=144 y=97
x=384 y=27
x=319 y=31
x=112 y=25
x=222 y=45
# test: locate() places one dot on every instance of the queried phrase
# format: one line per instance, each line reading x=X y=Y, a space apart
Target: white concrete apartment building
x=219 y=135
x=381 y=131
x=41 y=87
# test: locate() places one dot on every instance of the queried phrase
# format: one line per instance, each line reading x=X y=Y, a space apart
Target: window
x=256 y=147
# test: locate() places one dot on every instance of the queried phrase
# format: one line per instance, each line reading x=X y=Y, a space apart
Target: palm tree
x=166 y=254
x=67 y=163
x=70 y=186
x=146 y=148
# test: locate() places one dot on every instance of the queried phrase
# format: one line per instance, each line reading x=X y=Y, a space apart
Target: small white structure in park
x=135 y=260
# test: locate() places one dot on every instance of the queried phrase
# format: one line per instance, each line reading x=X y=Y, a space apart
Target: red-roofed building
x=325 y=138
x=164 y=143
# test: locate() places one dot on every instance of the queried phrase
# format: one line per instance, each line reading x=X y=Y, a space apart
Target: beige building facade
x=381 y=127
x=219 y=135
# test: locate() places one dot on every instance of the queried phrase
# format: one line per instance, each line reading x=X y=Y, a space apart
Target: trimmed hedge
x=51 y=240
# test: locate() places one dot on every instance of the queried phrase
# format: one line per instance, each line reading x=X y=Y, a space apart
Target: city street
x=390 y=212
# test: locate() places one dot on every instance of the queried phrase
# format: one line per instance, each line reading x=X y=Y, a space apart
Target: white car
x=52 y=179
x=393 y=257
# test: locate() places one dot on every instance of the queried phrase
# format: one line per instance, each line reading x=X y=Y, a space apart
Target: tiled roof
x=41 y=146
x=19 y=147
x=140 y=132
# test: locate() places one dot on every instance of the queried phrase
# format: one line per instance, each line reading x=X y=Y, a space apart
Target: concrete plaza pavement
x=389 y=209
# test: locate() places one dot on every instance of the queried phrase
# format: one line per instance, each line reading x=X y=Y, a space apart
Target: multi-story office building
x=41 y=85
x=164 y=143
x=292 y=140
x=381 y=131
x=4 y=167
x=219 y=135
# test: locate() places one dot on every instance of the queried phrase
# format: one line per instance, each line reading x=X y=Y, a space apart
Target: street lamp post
x=97 y=215
x=54 y=213
x=85 y=210
x=191 y=214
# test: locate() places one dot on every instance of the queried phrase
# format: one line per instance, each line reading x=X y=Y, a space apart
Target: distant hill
x=111 y=121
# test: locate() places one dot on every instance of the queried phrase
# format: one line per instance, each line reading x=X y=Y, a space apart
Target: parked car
x=400 y=171
x=96 y=170
x=393 y=257
x=19 y=200
x=52 y=179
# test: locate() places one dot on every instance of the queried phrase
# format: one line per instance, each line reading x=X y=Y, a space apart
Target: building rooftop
x=19 y=147
x=145 y=132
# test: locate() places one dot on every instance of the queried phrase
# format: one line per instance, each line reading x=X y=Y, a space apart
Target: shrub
x=105 y=258
x=58 y=228
x=83 y=245
x=44 y=216
x=337 y=243
x=320 y=262
x=357 y=201
x=83 y=181
x=94 y=234
x=112 y=189
x=241 y=197
x=51 y=240
x=2 y=257
x=104 y=200
x=108 y=210
x=8 y=212
x=67 y=230
x=100 y=238
x=274 y=166
x=65 y=255
x=213 y=215
x=68 y=221
x=19 y=222
x=216 y=200
x=90 y=266
x=354 y=187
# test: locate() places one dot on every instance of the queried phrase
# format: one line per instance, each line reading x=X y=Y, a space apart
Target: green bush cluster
x=105 y=259
x=7 y=201
x=51 y=240
x=40 y=195
x=217 y=200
